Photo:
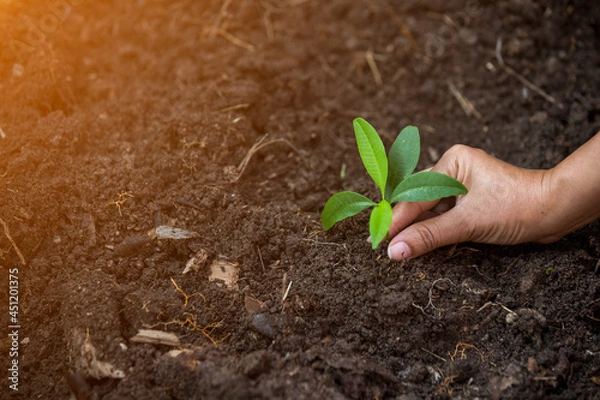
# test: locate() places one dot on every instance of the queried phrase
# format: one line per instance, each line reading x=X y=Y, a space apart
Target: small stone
x=511 y=318
x=262 y=324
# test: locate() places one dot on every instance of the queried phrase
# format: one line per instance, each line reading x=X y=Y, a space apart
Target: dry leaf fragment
x=254 y=306
x=196 y=262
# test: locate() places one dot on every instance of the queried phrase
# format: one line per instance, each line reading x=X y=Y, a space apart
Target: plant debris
x=156 y=337
x=226 y=272
x=197 y=262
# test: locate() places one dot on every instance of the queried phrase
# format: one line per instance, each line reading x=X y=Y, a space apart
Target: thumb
x=423 y=237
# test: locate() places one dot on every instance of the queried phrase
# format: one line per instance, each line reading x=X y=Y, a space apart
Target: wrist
x=570 y=197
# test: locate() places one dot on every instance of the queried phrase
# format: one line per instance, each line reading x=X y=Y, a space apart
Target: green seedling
x=393 y=175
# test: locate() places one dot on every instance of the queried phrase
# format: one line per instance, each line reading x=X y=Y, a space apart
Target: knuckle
x=457 y=149
x=428 y=238
x=459 y=160
x=462 y=151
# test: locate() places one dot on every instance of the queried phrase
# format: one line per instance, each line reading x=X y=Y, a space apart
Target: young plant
x=393 y=175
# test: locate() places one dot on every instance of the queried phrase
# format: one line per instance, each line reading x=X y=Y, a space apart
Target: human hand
x=505 y=205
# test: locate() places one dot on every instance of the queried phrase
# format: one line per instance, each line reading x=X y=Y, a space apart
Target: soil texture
x=142 y=138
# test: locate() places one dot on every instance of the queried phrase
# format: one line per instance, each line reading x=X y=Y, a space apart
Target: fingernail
x=399 y=251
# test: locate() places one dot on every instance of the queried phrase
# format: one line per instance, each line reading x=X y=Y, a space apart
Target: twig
x=283 y=284
x=521 y=78
x=219 y=19
x=530 y=85
x=505 y=308
x=258 y=145
x=490 y=303
x=266 y=18
x=499 y=51
x=434 y=355
x=373 y=66
x=512 y=264
x=285 y=295
x=232 y=39
x=316 y=242
x=466 y=105
x=262 y=263
x=235 y=107
x=7 y=233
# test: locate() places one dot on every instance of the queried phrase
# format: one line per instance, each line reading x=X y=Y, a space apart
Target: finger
x=443 y=206
x=423 y=237
x=405 y=214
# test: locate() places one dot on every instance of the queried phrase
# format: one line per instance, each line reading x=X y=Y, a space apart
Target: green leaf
x=403 y=158
x=371 y=152
x=343 y=205
x=427 y=186
x=380 y=222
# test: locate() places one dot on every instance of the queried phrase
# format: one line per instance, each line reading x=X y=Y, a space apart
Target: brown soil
x=121 y=116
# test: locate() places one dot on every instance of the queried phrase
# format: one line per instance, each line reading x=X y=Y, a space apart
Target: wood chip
x=225 y=271
x=156 y=337
x=169 y=232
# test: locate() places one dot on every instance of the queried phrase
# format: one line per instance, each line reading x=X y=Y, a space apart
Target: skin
x=505 y=204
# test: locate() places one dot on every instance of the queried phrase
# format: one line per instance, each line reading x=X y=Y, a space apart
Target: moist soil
x=233 y=120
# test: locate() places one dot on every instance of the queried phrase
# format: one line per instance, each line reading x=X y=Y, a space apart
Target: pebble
x=262 y=324
x=511 y=318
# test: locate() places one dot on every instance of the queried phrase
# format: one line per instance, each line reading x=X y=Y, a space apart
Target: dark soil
x=121 y=116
